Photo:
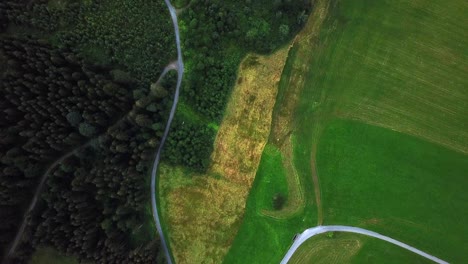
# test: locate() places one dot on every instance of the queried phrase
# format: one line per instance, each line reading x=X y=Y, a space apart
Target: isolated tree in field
x=278 y=201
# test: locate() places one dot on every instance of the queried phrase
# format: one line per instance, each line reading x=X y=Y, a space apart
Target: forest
x=89 y=125
x=80 y=110
x=217 y=34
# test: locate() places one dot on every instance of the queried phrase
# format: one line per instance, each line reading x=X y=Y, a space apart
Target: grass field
x=395 y=184
x=396 y=64
x=401 y=66
x=262 y=238
x=351 y=248
x=271 y=165
x=396 y=70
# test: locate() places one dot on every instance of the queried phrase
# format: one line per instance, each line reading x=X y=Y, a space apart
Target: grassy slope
x=352 y=248
x=400 y=66
x=395 y=184
x=276 y=235
x=275 y=175
x=263 y=239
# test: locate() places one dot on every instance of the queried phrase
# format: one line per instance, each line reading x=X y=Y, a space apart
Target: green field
x=395 y=184
x=263 y=239
x=399 y=64
x=271 y=167
x=382 y=124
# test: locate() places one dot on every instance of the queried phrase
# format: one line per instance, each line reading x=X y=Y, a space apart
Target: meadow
x=395 y=184
x=402 y=65
x=379 y=127
x=263 y=238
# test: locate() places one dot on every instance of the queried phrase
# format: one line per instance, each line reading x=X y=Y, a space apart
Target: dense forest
x=80 y=109
x=77 y=108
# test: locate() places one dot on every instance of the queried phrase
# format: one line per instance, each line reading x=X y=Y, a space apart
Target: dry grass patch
x=203 y=214
x=247 y=121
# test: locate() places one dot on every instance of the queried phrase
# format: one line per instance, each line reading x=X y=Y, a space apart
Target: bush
x=278 y=201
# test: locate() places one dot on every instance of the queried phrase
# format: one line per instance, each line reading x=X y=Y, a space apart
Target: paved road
x=180 y=73
x=322 y=229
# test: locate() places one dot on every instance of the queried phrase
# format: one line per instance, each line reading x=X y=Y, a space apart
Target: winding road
x=337 y=228
x=180 y=73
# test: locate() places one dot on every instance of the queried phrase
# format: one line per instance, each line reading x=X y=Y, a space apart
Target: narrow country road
x=323 y=229
x=180 y=73
x=38 y=191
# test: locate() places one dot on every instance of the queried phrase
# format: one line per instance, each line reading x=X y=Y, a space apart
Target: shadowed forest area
x=78 y=112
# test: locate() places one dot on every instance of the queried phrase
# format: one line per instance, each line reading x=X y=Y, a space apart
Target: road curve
x=322 y=229
x=180 y=73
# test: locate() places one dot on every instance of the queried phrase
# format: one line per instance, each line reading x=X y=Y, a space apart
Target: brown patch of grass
x=327 y=250
x=246 y=125
x=204 y=213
